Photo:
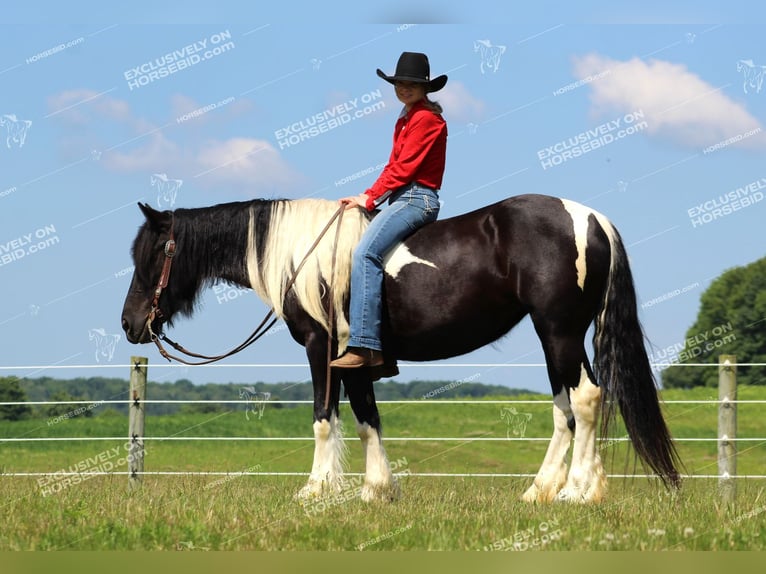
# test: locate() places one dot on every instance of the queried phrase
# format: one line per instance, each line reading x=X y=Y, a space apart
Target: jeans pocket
x=430 y=207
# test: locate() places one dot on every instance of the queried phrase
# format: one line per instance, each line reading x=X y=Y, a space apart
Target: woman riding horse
x=410 y=181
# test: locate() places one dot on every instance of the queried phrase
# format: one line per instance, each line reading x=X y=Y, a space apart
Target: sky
x=654 y=116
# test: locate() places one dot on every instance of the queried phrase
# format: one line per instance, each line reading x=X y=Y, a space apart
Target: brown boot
x=357 y=357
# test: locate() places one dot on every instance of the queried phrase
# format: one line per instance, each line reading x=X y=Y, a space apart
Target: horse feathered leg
x=576 y=407
x=329 y=449
x=553 y=472
x=329 y=459
x=379 y=481
x=587 y=480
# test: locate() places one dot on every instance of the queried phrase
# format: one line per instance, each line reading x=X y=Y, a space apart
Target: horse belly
x=436 y=313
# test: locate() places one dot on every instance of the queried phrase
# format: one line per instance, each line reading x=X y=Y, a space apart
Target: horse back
x=481 y=272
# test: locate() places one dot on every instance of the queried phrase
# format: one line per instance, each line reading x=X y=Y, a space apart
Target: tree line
x=97 y=389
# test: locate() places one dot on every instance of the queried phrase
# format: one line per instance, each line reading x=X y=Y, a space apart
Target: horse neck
x=213 y=242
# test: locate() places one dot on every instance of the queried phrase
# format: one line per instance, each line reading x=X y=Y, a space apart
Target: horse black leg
x=329 y=449
x=576 y=407
x=379 y=481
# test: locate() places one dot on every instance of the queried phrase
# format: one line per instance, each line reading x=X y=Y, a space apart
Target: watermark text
x=180 y=59
x=28 y=244
x=592 y=139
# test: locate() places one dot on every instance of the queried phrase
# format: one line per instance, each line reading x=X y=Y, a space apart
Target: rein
x=265 y=324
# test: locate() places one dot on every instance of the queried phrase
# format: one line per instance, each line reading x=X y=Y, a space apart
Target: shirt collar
x=415 y=107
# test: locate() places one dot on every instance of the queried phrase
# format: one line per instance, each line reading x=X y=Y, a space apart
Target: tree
x=11 y=392
x=71 y=411
x=732 y=321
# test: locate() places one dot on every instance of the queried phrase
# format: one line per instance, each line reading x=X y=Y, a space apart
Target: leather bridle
x=155 y=312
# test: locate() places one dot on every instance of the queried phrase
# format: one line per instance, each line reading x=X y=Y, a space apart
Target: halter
x=156 y=313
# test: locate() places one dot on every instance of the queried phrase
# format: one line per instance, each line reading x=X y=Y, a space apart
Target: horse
x=16 y=129
x=753 y=75
x=106 y=343
x=256 y=401
x=167 y=189
x=490 y=55
x=453 y=286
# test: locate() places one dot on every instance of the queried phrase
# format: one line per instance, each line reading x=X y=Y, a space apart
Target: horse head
x=742 y=64
x=144 y=313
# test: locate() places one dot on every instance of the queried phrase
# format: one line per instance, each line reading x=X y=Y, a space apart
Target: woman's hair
x=431 y=105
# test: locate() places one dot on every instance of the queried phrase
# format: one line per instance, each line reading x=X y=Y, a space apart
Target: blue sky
x=643 y=115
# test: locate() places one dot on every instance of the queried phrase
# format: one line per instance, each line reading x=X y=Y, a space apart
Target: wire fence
x=546 y=401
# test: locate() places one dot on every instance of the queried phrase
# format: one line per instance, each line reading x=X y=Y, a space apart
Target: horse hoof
x=546 y=494
x=305 y=493
x=569 y=495
x=531 y=495
x=381 y=492
x=576 y=496
x=312 y=491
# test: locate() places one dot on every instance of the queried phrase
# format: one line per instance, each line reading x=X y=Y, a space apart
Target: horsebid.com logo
x=695 y=346
x=28 y=244
x=179 y=59
x=103 y=463
x=329 y=119
x=728 y=203
x=602 y=135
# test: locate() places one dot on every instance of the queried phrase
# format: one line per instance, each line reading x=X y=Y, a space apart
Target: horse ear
x=157 y=219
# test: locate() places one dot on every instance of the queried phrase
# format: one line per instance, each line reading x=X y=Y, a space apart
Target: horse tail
x=622 y=368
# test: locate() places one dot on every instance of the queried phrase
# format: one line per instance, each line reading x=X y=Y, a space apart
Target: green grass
x=256 y=513
x=260 y=513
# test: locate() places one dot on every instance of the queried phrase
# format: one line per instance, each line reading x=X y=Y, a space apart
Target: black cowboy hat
x=414 y=67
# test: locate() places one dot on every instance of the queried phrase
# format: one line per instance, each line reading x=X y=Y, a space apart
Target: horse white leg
x=553 y=472
x=329 y=459
x=379 y=481
x=586 y=481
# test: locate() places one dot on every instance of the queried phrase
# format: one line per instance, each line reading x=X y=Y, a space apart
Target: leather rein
x=156 y=313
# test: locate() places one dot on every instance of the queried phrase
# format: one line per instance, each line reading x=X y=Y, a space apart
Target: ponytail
x=435 y=107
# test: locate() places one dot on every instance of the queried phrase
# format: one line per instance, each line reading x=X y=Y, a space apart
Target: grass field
x=433 y=513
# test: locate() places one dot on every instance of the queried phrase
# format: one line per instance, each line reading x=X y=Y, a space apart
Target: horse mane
x=273 y=256
x=212 y=246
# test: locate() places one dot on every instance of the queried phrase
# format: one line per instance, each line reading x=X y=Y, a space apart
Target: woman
x=410 y=182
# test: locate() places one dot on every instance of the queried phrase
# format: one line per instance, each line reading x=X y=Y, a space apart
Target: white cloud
x=74 y=106
x=240 y=160
x=247 y=165
x=458 y=103
x=677 y=103
x=155 y=153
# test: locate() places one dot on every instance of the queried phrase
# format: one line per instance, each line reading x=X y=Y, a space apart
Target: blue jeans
x=409 y=208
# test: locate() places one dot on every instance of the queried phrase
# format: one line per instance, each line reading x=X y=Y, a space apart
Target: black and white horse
x=454 y=286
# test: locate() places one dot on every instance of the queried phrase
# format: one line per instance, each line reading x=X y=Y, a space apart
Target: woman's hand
x=355 y=201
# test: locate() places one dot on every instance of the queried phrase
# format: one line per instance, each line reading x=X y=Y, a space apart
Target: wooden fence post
x=137 y=411
x=727 y=427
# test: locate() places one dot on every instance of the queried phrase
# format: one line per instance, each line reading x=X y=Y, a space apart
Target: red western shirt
x=420 y=146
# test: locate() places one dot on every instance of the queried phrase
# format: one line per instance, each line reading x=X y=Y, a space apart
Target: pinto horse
x=455 y=285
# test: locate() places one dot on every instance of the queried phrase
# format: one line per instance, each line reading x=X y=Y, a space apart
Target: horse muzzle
x=136 y=335
x=141 y=330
